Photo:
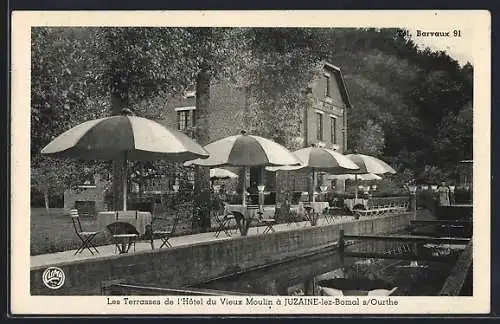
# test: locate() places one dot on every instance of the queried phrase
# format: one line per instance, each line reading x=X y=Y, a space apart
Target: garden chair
x=124 y=235
x=222 y=218
x=267 y=222
x=85 y=237
x=311 y=215
x=163 y=229
x=223 y=222
x=284 y=212
x=242 y=222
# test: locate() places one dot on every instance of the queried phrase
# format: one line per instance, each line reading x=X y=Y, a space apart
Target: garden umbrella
x=321 y=159
x=245 y=151
x=124 y=137
x=218 y=173
x=369 y=164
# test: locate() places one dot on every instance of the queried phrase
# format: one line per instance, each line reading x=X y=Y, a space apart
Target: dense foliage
x=419 y=100
x=410 y=106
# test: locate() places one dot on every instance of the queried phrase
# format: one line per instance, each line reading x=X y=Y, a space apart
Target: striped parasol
x=122 y=138
x=245 y=151
x=320 y=159
x=369 y=164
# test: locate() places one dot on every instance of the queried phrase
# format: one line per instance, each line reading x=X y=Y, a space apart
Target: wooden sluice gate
x=402 y=247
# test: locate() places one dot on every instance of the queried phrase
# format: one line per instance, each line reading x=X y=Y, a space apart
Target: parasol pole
x=124 y=179
x=355 y=188
x=244 y=203
x=314 y=185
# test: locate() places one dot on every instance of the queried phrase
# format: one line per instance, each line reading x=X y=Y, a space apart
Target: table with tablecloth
x=138 y=219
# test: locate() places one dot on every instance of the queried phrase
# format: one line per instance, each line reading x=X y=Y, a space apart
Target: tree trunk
x=46 y=198
x=119 y=101
x=201 y=219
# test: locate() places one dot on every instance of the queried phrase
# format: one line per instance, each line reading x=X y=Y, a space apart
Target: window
x=185 y=118
x=327 y=85
x=333 y=130
x=319 y=126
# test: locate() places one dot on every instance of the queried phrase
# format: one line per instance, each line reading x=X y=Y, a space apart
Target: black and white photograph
x=257 y=163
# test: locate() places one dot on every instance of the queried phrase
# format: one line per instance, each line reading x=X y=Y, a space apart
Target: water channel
x=302 y=276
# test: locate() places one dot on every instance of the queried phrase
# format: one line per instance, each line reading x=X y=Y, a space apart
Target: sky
x=459 y=48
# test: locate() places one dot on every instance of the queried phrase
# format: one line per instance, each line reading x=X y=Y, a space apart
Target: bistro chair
x=242 y=222
x=252 y=211
x=124 y=235
x=163 y=229
x=85 y=237
x=267 y=222
x=222 y=218
x=223 y=222
x=311 y=215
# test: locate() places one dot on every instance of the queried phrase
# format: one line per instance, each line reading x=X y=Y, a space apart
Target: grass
x=52 y=231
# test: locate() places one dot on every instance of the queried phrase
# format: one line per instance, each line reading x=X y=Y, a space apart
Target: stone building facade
x=323 y=123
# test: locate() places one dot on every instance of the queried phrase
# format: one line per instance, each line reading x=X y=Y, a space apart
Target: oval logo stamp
x=53 y=278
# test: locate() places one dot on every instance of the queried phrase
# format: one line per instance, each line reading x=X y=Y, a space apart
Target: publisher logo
x=53 y=278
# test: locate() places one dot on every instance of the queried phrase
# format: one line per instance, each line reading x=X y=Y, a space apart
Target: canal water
x=301 y=276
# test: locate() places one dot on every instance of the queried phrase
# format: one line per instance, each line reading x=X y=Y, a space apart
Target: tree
x=63 y=94
x=284 y=62
x=371 y=139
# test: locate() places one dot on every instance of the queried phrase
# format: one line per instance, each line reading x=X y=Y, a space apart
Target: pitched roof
x=340 y=79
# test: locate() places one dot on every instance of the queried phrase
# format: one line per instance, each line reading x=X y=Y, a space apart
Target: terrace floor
x=108 y=250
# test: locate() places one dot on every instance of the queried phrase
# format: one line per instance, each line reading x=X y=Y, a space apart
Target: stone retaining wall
x=192 y=264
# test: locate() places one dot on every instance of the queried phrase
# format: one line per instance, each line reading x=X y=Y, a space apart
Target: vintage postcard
x=250 y=162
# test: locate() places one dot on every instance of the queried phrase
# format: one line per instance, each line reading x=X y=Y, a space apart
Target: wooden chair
x=223 y=222
x=242 y=222
x=311 y=215
x=267 y=222
x=85 y=237
x=161 y=229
